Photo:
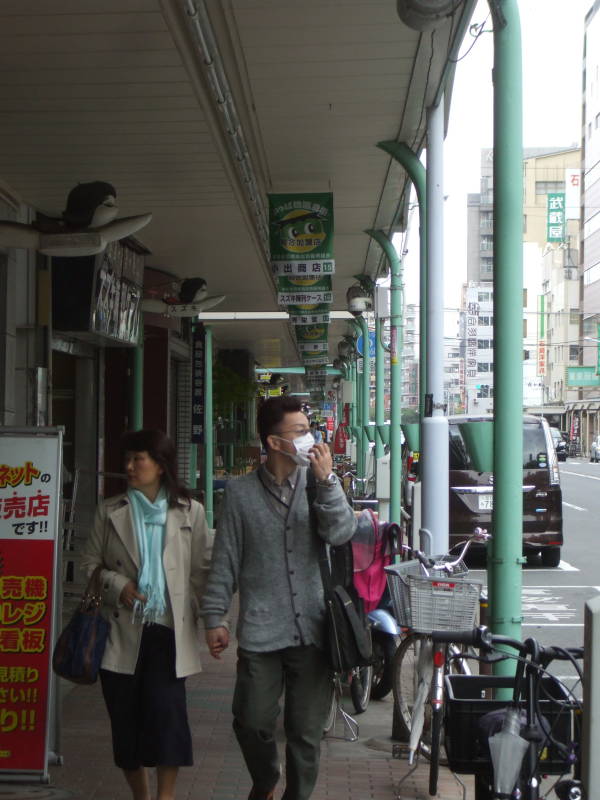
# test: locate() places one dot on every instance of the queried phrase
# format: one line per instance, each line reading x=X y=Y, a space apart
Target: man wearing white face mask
x=266 y=549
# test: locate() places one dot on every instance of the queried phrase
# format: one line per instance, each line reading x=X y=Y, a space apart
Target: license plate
x=486 y=502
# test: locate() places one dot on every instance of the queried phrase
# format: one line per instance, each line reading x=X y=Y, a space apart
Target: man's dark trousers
x=261 y=679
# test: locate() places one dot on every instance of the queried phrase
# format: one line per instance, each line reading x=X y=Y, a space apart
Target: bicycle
x=424 y=591
x=488 y=737
x=360 y=491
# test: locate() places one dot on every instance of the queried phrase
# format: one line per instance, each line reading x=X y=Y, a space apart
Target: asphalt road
x=554 y=599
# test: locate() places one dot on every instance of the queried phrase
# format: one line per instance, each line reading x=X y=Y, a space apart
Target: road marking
x=552 y=624
x=570 y=505
x=581 y=475
x=564 y=565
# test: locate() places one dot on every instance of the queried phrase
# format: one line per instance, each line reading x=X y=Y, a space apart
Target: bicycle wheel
x=384 y=648
x=360 y=688
x=434 y=755
x=404 y=686
x=405 y=682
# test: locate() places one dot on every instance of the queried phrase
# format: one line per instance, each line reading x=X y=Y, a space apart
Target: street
x=554 y=599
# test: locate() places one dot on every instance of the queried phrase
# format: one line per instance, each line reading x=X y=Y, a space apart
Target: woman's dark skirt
x=148 y=712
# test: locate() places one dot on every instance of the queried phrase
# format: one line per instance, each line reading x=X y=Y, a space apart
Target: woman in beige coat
x=154 y=547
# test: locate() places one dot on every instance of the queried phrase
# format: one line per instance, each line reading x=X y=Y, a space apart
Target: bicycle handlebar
x=482 y=638
x=479 y=535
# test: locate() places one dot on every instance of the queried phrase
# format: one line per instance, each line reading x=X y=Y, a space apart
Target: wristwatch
x=329 y=481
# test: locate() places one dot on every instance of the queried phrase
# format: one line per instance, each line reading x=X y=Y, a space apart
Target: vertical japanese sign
x=541 y=348
x=572 y=193
x=555 y=218
x=30 y=481
x=198 y=371
x=302 y=263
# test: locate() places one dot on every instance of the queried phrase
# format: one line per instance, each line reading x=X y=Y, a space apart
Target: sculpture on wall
x=191 y=300
x=86 y=227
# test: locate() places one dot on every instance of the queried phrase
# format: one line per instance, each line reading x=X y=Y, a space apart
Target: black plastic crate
x=465 y=705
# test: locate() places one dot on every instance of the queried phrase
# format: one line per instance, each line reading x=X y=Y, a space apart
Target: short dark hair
x=272 y=412
x=162 y=449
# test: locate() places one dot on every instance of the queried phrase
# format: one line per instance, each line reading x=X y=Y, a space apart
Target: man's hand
x=321 y=461
x=129 y=594
x=217 y=640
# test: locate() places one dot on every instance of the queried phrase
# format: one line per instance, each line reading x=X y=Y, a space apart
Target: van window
x=534 y=448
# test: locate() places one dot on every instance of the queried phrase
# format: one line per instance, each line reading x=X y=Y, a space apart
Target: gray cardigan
x=274 y=563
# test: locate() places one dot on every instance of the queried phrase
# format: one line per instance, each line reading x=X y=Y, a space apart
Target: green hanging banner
x=309 y=315
x=311 y=338
x=318 y=358
x=301 y=234
x=304 y=291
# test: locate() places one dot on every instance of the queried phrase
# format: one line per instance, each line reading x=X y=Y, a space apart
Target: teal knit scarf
x=149 y=520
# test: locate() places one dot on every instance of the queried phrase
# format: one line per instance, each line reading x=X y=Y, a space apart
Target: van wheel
x=551 y=556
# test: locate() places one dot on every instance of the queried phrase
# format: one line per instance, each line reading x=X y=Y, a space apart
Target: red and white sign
x=541 y=357
x=29 y=504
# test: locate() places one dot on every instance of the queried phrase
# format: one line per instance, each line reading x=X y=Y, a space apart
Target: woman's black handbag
x=79 y=649
x=348 y=638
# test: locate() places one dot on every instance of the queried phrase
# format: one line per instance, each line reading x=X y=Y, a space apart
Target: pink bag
x=371 y=554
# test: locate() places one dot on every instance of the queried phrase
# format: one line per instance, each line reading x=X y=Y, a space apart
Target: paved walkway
x=360 y=770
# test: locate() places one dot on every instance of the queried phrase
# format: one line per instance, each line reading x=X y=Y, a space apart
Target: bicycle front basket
x=397 y=578
x=442 y=602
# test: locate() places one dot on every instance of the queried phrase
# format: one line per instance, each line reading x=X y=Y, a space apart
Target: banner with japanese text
x=30 y=486
x=311 y=338
x=309 y=315
x=555 y=219
x=301 y=234
x=198 y=373
x=315 y=290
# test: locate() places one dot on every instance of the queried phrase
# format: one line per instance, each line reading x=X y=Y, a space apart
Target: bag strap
x=93 y=590
x=357 y=624
x=311 y=496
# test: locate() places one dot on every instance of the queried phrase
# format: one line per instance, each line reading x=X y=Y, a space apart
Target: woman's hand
x=217 y=640
x=129 y=594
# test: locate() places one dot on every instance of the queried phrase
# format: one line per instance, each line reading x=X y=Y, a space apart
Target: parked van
x=471 y=498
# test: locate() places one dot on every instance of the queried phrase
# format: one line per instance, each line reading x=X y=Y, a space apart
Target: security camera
x=359 y=304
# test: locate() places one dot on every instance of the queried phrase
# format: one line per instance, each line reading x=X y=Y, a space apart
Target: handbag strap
x=93 y=590
x=324 y=566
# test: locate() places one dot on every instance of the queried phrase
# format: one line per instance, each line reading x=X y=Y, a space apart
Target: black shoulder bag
x=348 y=639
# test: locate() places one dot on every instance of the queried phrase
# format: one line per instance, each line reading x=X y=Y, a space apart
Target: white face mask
x=302 y=446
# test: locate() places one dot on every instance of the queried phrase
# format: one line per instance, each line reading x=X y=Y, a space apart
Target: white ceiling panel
x=118 y=90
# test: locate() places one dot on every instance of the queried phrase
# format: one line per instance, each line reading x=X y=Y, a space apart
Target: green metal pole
x=229 y=448
x=193 y=453
x=360 y=449
x=505 y=554
x=366 y=388
x=136 y=411
x=379 y=386
x=416 y=172
x=396 y=347
x=354 y=412
x=208 y=426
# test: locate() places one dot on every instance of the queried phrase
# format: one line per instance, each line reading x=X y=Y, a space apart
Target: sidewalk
x=361 y=770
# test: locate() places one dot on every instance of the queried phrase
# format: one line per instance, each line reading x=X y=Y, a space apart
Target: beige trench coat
x=186 y=559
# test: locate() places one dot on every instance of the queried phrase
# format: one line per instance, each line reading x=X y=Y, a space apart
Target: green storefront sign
x=555 y=217
x=582 y=376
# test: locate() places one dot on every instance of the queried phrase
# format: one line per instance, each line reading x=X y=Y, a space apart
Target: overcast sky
x=552 y=35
